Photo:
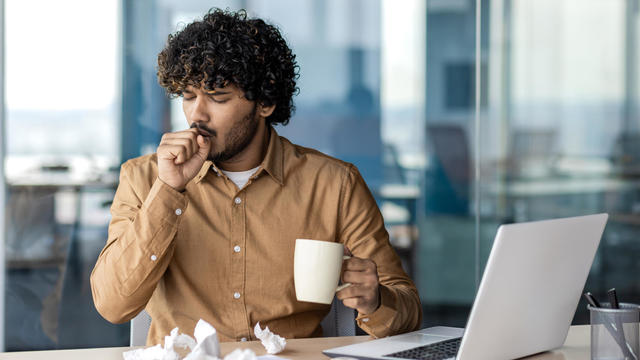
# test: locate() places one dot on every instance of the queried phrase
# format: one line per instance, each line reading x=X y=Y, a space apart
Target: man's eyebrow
x=216 y=92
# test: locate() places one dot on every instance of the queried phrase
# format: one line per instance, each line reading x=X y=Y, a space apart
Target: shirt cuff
x=378 y=323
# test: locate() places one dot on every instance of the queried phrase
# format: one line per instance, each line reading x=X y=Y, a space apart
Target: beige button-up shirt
x=225 y=254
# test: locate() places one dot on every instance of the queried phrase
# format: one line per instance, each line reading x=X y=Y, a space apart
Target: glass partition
x=446 y=254
x=62 y=105
x=560 y=133
x=547 y=128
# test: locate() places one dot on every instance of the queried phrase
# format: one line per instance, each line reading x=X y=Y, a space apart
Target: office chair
x=340 y=321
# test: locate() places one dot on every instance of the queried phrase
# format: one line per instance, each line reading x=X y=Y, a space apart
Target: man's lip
x=202 y=131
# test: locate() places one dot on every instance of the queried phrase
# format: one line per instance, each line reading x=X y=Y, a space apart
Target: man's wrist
x=179 y=189
x=373 y=308
x=378 y=303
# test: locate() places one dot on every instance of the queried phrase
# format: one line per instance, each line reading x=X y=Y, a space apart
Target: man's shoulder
x=141 y=166
x=305 y=158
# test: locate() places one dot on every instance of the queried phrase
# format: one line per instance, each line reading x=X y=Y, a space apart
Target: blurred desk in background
x=45 y=199
x=554 y=186
x=548 y=197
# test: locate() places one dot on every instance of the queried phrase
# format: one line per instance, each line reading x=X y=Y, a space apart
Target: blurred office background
x=461 y=114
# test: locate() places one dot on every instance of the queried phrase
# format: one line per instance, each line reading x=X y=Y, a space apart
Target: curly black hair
x=227 y=48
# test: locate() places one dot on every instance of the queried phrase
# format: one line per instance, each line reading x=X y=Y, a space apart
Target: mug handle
x=345 y=285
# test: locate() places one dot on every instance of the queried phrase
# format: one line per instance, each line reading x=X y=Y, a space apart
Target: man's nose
x=199 y=110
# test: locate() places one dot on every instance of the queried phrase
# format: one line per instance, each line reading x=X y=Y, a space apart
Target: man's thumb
x=204 y=145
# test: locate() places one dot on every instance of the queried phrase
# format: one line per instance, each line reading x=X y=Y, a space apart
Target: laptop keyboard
x=438 y=351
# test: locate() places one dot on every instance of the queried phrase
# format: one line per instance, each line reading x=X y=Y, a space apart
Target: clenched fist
x=181 y=155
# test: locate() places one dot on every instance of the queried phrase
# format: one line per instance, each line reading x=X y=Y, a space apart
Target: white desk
x=576 y=347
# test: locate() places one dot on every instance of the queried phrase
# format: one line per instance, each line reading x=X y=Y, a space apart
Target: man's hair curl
x=227 y=48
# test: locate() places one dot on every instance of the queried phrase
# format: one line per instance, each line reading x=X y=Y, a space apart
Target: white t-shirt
x=240 y=178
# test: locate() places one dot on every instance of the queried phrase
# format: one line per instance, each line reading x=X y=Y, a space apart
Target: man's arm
x=144 y=221
x=139 y=248
x=391 y=305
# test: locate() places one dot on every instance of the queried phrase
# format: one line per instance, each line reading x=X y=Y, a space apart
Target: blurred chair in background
x=36 y=254
x=532 y=153
x=448 y=179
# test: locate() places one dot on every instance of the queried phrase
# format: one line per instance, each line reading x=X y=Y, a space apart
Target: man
x=206 y=227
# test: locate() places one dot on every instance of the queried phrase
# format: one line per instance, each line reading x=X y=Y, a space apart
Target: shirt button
x=236 y=295
x=236 y=248
x=178 y=212
x=237 y=200
x=243 y=339
x=154 y=258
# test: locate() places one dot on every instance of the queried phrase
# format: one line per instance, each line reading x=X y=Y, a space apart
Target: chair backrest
x=139 y=329
x=339 y=322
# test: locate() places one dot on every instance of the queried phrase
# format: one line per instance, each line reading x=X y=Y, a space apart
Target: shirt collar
x=273 y=162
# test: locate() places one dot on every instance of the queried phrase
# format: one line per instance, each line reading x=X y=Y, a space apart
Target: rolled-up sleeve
x=139 y=248
x=362 y=231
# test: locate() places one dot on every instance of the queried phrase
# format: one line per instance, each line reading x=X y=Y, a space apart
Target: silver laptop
x=526 y=301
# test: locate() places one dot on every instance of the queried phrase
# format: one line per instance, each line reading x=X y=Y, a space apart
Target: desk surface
x=576 y=347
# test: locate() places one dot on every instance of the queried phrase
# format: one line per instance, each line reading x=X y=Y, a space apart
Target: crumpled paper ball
x=206 y=346
x=207 y=339
x=272 y=343
x=241 y=354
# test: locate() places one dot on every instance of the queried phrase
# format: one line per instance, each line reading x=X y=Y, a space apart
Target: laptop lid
x=531 y=287
x=527 y=297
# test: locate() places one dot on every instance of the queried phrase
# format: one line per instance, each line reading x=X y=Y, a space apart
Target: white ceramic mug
x=316 y=270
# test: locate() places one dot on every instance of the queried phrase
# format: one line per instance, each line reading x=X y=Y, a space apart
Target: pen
x=613 y=298
x=591 y=300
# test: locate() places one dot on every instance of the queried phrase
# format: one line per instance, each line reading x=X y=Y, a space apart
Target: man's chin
x=218 y=158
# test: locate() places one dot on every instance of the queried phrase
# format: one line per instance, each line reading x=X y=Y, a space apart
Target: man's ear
x=265 y=111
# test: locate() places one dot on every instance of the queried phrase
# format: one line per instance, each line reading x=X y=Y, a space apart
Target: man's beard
x=239 y=138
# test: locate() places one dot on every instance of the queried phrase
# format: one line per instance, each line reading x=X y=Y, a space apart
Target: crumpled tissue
x=241 y=354
x=181 y=341
x=272 y=343
x=205 y=347
x=208 y=343
x=155 y=353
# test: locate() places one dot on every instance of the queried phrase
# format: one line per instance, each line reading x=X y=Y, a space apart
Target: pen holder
x=614 y=332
